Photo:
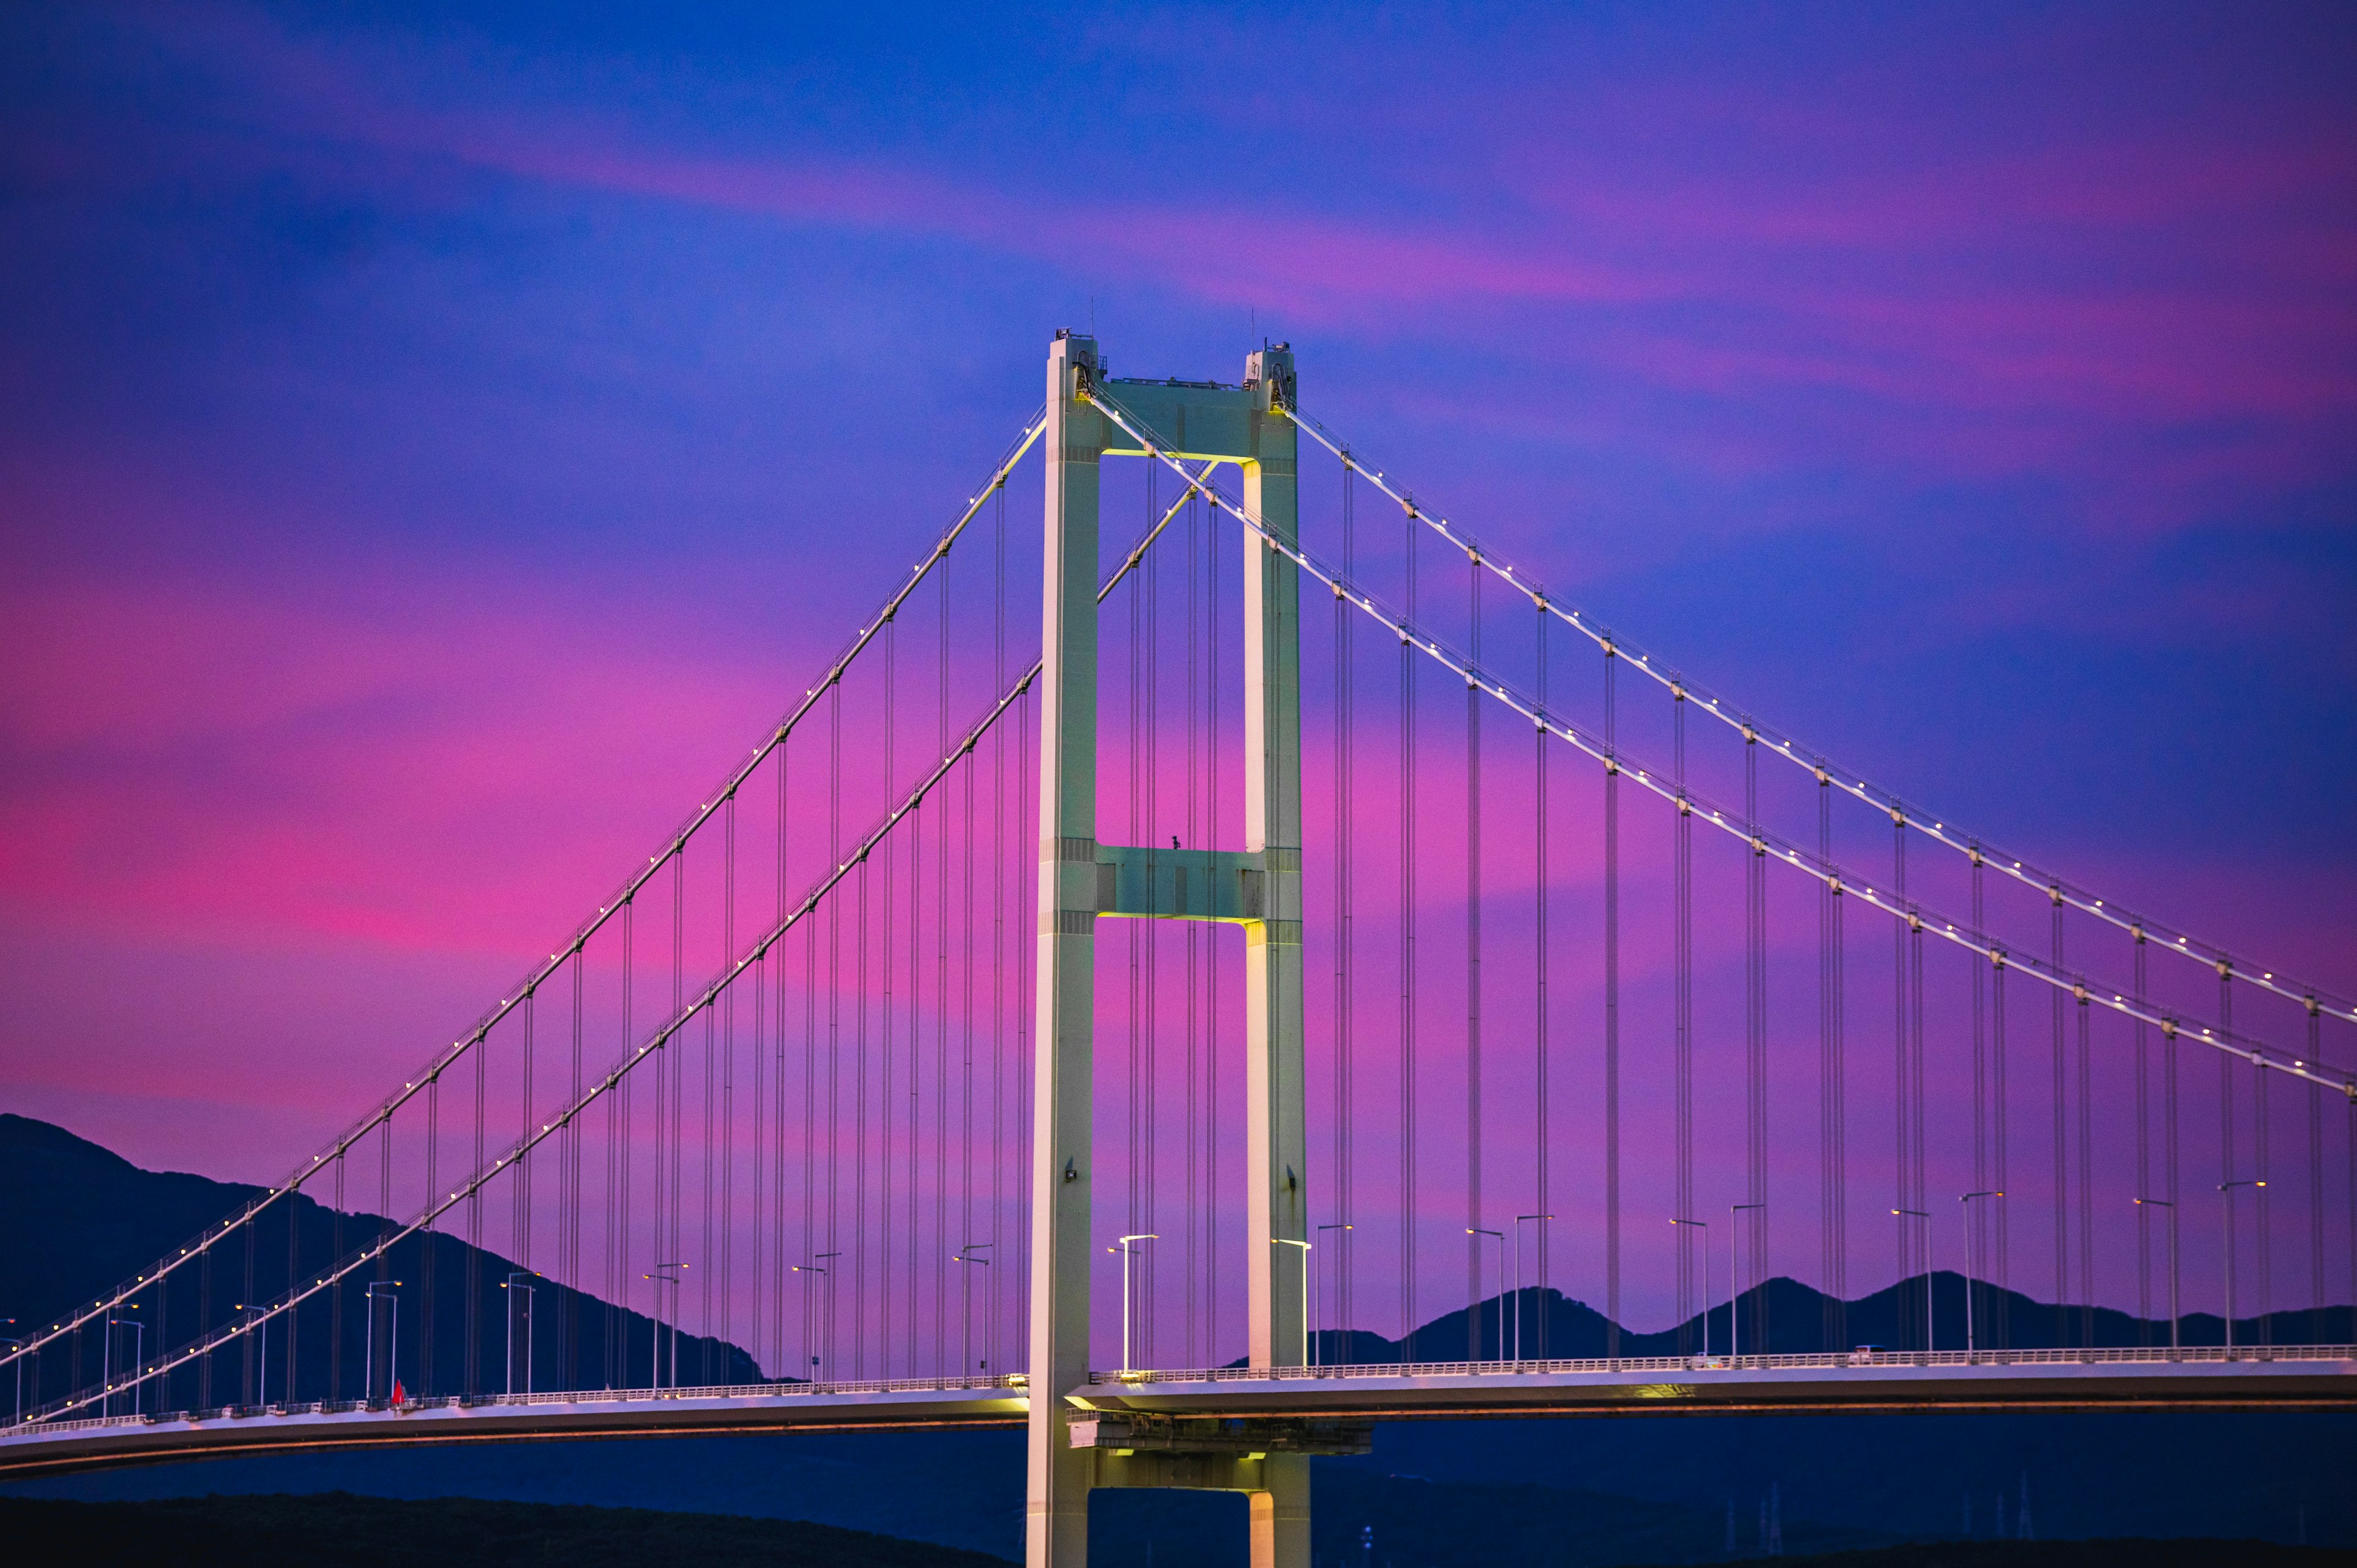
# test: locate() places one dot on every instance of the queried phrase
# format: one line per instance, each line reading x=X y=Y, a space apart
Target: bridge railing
x=1816 y=1361
x=1008 y=1382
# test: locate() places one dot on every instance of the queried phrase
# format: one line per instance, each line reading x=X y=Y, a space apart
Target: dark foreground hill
x=2129 y=1553
x=439 y=1532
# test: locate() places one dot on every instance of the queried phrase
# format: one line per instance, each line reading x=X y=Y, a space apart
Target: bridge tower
x=1082 y=880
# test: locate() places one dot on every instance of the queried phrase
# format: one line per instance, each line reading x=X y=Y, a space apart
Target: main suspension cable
x=1852 y=784
x=1404 y=627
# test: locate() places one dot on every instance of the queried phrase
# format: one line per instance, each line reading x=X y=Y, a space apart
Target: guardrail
x=1012 y=1382
x=1821 y=1361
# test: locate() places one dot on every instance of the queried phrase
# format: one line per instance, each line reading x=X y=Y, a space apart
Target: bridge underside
x=1259 y=1399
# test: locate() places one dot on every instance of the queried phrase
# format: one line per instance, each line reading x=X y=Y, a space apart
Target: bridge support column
x=1056 y=1506
x=1258 y=888
x=1280 y=1514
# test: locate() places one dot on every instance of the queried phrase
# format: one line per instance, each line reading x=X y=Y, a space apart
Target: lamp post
x=531 y=1299
x=1501 y=1235
x=1519 y=1220
x=1289 y=1241
x=1972 y=1264
x=1703 y=1226
x=1318 y=1282
x=2226 y=1194
x=2164 y=1203
x=259 y=1321
x=1931 y=1339
x=662 y=1276
x=965 y=1285
x=827 y=1337
x=1734 y=1279
x=391 y=1341
x=1127 y=1252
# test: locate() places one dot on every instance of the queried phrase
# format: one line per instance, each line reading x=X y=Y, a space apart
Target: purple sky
x=434 y=443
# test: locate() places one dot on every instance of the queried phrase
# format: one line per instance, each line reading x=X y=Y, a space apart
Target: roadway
x=2279 y=1378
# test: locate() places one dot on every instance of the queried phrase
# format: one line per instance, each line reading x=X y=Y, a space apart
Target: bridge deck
x=2313 y=1377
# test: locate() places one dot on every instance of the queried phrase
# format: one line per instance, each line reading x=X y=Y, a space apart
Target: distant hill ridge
x=77 y=1219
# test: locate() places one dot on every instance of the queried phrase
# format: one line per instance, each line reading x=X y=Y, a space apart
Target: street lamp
x=1703 y=1225
x=966 y=1255
x=259 y=1321
x=1337 y=1225
x=1931 y=1339
x=2164 y=1203
x=106 y=1360
x=1972 y=1265
x=1734 y=1279
x=531 y=1299
x=1501 y=1235
x=1518 y=1219
x=826 y=1334
x=1126 y=1252
x=661 y=1277
x=2226 y=1192
x=391 y=1339
x=1288 y=1242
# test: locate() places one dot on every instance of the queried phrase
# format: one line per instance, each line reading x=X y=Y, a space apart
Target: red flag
x=400 y=1396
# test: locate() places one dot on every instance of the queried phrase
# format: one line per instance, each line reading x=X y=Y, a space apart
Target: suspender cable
x=2259 y=1130
x=1473 y=978
x=619 y=1157
x=1212 y=642
x=674 y=1187
x=1134 y=1143
x=569 y=1328
x=729 y=1071
x=1344 y=816
x=860 y=1310
x=998 y=976
x=944 y=1246
x=336 y=1292
x=2086 y=1185
x=2316 y=1331
x=1832 y=1003
x=1150 y=932
x=1025 y=890
x=2226 y=1123
x=1612 y=1015
x=473 y=1317
x=1755 y=964
x=2061 y=1151
x=1977 y=1225
x=1539 y=1124
x=2001 y=1318
x=885 y=1103
x=1682 y=1020
x=778 y=1263
x=1903 y=1232
x=965 y=1079
x=429 y=1249
x=2143 y=1155
x=1196 y=834
x=1407 y=970
x=833 y=1044
x=909 y=1358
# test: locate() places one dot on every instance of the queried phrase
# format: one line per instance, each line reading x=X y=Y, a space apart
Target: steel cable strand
x=1852 y=784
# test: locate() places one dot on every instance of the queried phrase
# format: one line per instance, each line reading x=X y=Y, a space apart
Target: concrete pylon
x=1258 y=888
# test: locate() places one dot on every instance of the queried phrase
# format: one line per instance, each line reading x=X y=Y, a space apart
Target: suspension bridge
x=848 y=1108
